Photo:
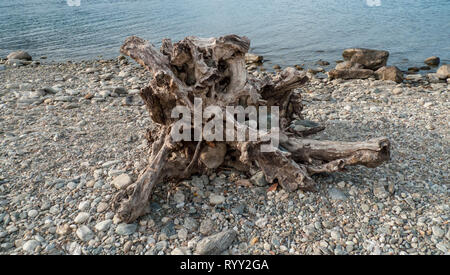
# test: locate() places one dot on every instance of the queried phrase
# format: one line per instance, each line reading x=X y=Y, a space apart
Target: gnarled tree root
x=214 y=70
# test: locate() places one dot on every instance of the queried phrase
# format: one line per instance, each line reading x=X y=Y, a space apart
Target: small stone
x=104 y=93
x=120 y=90
x=30 y=246
x=336 y=194
x=179 y=197
x=259 y=179
x=182 y=234
x=159 y=246
x=427 y=104
x=190 y=224
x=365 y=207
x=216 y=199
x=216 y=244
x=379 y=191
x=126 y=229
x=206 y=226
x=341 y=184
x=101 y=207
x=91 y=70
x=261 y=223
x=103 y=225
x=63 y=229
x=127 y=246
x=84 y=205
x=84 y=233
x=74 y=248
x=169 y=229
x=81 y=217
x=443 y=247
x=335 y=235
x=349 y=248
x=177 y=251
x=437 y=232
x=71 y=185
x=397 y=91
x=122 y=181
x=32 y=213
x=254 y=241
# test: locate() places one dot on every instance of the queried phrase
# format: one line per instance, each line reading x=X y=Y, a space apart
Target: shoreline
x=68 y=130
x=267 y=64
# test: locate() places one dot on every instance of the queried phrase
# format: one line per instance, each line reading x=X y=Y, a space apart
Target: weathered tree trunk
x=214 y=70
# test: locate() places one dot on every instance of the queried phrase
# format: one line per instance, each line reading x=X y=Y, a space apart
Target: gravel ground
x=68 y=131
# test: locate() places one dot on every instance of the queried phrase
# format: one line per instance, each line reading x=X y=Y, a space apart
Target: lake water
x=285 y=32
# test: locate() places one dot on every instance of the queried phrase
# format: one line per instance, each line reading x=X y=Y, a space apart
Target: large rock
x=390 y=73
x=20 y=55
x=216 y=244
x=444 y=71
x=370 y=59
x=350 y=74
x=432 y=61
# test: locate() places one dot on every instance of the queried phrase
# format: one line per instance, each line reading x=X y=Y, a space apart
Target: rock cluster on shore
x=19 y=58
x=72 y=134
x=364 y=63
x=361 y=63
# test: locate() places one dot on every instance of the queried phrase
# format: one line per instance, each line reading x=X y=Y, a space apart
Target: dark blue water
x=286 y=32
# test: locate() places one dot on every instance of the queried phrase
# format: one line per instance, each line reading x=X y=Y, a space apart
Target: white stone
x=30 y=246
x=179 y=197
x=81 y=217
x=32 y=213
x=261 y=223
x=121 y=181
x=84 y=233
x=84 y=205
x=103 y=225
x=177 y=251
x=216 y=199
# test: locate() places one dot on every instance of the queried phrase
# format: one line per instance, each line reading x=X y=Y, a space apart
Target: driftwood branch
x=214 y=70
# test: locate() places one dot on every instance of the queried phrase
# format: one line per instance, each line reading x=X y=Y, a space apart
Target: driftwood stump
x=214 y=71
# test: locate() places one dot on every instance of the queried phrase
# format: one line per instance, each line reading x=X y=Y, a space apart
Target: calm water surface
x=286 y=32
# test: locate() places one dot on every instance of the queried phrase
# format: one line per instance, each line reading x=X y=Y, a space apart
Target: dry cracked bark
x=214 y=70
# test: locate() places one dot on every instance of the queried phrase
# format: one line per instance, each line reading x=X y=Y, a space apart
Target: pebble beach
x=72 y=134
